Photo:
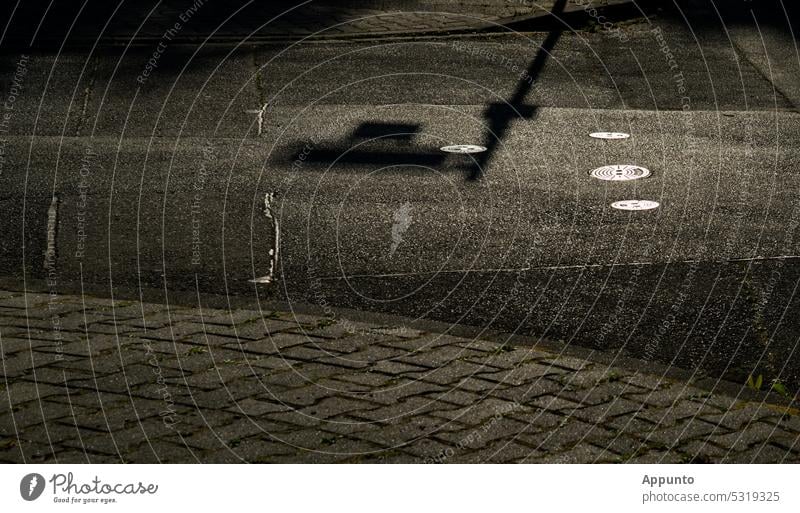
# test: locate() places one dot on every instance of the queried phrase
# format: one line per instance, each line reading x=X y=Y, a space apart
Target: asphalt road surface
x=129 y=169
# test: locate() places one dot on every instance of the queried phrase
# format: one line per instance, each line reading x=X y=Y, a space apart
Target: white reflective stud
x=635 y=205
x=619 y=172
x=609 y=135
x=463 y=148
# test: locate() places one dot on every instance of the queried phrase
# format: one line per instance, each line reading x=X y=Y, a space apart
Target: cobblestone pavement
x=175 y=21
x=88 y=380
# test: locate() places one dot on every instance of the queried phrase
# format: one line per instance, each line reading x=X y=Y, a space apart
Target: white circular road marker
x=619 y=172
x=463 y=148
x=635 y=205
x=609 y=135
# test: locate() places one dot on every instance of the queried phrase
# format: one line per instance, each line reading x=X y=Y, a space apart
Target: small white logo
x=609 y=135
x=31 y=486
x=402 y=220
x=635 y=205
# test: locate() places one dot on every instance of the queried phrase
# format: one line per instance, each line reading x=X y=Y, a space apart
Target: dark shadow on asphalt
x=374 y=143
x=382 y=158
x=500 y=116
x=399 y=131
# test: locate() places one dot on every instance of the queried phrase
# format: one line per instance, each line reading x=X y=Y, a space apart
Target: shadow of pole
x=501 y=115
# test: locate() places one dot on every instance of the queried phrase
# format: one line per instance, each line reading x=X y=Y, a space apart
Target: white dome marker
x=463 y=148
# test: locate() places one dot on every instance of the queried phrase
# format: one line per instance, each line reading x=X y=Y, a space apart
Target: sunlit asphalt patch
x=619 y=172
x=609 y=135
x=635 y=205
x=463 y=148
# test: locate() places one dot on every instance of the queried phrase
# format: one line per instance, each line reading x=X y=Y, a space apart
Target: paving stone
x=520 y=375
x=163 y=452
x=115 y=328
x=226 y=437
x=622 y=445
x=335 y=330
x=721 y=402
x=631 y=424
x=258 y=449
x=427 y=342
x=676 y=435
x=367 y=379
x=15 y=326
x=591 y=378
x=276 y=343
x=231 y=317
x=409 y=407
x=214 y=377
x=660 y=457
x=479 y=412
x=599 y=414
x=567 y=362
x=664 y=397
x=69 y=455
x=11 y=345
x=124 y=310
x=762 y=454
x=398 y=432
x=787 y=441
x=440 y=357
x=252 y=330
x=785 y=419
x=325 y=445
x=755 y=433
x=34 y=412
x=527 y=392
x=403 y=389
x=395 y=368
x=701 y=451
x=23 y=392
x=427 y=450
x=500 y=452
x=456 y=373
x=307 y=395
x=580 y=454
x=488 y=347
x=344 y=345
x=214 y=398
x=365 y=393
x=60 y=310
x=601 y=393
x=375 y=353
x=542 y=419
x=739 y=417
x=399 y=331
x=646 y=381
x=171 y=331
x=553 y=403
x=676 y=412
x=458 y=398
x=498 y=428
x=287 y=379
x=565 y=436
